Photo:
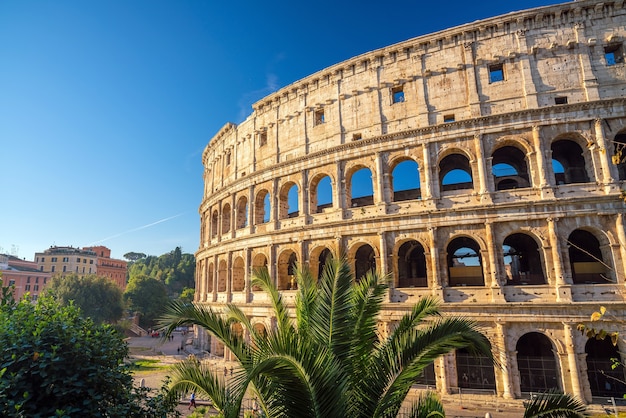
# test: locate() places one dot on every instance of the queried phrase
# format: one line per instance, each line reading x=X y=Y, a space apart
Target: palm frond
x=553 y=404
x=305 y=298
x=427 y=405
x=331 y=323
x=262 y=278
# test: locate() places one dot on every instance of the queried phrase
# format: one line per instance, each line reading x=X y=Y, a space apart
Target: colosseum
x=483 y=165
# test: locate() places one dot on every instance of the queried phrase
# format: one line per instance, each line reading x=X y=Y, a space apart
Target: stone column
x=383 y=269
x=590 y=82
x=471 y=74
x=215 y=277
x=505 y=368
x=563 y=292
x=480 y=167
x=229 y=277
x=620 y=265
x=541 y=162
x=339 y=189
x=248 y=273
x=381 y=176
x=528 y=85
x=492 y=270
x=603 y=153
x=251 y=209
x=304 y=197
x=436 y=284
x=426 y=185
x=572 y=350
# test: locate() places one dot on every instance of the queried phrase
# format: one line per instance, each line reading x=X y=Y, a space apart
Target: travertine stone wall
x=516 y=92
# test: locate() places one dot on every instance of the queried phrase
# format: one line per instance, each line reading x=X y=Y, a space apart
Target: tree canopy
x=97 y=297
x=176 y=270
x=148 y=297
x=56 y=362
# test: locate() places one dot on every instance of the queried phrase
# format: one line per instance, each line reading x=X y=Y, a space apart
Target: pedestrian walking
x=192 y=400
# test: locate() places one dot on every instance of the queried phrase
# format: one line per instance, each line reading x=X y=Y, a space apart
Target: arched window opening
x=323 y=197
x=361 y=188
x=474 y=371
x=258 y=262
x=262 y=208
x=242 y=213
x=585 y=258
x=288 y=201
x=465 y=263
x=427 y=377
x=455 y=173
x=237 y=330
x=286 y=270
x=406 y=181
x=225 y=218
x=260 y=330
x=214 y=219
x=570 y=156
x=324 y=257
x=412 y=265
x=222 y=274
x=364 y=261
x=509 y=169
x=619 y=155
x=522 y=260
x=239 y=275
x=536 y=363
x=209 y=279
x=604 y=378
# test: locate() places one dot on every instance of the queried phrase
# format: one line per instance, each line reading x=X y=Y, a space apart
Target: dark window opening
x=536 y=363
x=397 y=94
x=560 y=100
x=571 y=167
x=619 y=155
x=464 y=263
x=412 y=265
x=356 y=137
x=364 y=261
x=262 y=138
x=613 y=54
x=474 y=371
x=585 y=258
x=605 y=377
x=509 y=169
x=496 y=73
x=522 y=261
x=448 y=118
x=319 y=117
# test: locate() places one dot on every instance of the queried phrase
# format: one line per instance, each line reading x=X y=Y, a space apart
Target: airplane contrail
x=136 y=229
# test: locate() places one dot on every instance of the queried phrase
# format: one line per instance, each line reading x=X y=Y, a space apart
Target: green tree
x=56 y=362
x=133 y=256
x=97 y=297
x=187 y=295
x=147 y=296
x=554 y=405
x=330 y=361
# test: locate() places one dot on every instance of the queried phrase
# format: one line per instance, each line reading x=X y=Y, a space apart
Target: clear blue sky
x=106 y=106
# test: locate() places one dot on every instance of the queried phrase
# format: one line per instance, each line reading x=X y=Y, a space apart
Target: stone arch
x=589 y=257
x=405 y=179
x=259 y=261
x=214 y=223
x=523 y=259
x=465 y=264
x=474 y=371
x=288 y=205
x=604 y=379
x=364 y=259
x=455 y=172
x=286 y=269
x=238 y=275
x=242 y=212
x=537 y=363
x=318 y=258
x=411 y=264
x=571 y=161
x=209 y=279
x=509 y=168
x=222 y=276
x=262 y=207
x=226 y=218
x=359 y=185
x=321 y=193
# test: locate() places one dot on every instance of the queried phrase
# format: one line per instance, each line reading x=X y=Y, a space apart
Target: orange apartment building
x=24 y=275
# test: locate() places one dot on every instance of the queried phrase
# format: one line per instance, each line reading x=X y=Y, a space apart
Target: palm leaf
x=305 y=298
x=552 y=404
x=262 y=278
x=427 y=405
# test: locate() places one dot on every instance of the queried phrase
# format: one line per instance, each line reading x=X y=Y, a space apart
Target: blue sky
x=106 y=106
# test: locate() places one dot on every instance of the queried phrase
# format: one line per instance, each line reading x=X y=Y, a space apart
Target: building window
x=64 y=269
x=44 y=280
x=36 y=288
x=54 y=259
x=11 y=282
x=448 y=118
x=78 y=259
x=27 y=287
x=36 y=279
x=613 y=54
x=66 y=259
x=262 y=138
x=356 y=137
x=90 y=261
x=43 y=259
x=52 y=269
x=319 y=117
x=41 y=268
x=228 y=159
x=560 y=100
x=496 y=73
x=397 y=94
x=28 y=279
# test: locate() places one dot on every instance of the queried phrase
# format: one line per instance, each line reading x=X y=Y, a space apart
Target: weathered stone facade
x=510 y=130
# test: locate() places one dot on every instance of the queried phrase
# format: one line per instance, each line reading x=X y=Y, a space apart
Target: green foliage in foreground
x=554 y=405
x=331 y=361
x=54 y=362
